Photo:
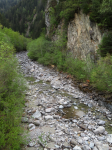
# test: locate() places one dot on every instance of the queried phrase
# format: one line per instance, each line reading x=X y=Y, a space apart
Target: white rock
x=101 y=146
x=48 y=117
x=31 y=144
x=75 y=107
x=75 y=121
x=86 y=147
x=109 y=138
x=77 y=148
x=82 y=134
x=36 y=115
x=80 y=141
x=91 y=145
x=61 y=107
x=86 y=138
x=99 y=130
x=101 y=122
x=48 y=110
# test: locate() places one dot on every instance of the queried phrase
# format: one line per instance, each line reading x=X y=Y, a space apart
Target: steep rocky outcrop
x=83 y=35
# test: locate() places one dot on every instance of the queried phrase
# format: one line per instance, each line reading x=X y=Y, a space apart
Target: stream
x=58 y=115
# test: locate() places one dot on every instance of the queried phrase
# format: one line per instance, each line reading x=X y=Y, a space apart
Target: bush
x=19 y=41
x=101 y=75
x=106 y=44
x=12 y=87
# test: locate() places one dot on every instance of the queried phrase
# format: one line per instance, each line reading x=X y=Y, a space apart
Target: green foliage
x=100 y=11
x=27 y=12
x=106 y=44
x=4 y=21
x=7 y=4
x=101 y=75
x=54 y=53
x=12 y=87
x=106 y=7
x=19 y=41
x=69 y=9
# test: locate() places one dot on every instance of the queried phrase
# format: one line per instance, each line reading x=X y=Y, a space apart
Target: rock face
x=83 y=35
x=47 y=17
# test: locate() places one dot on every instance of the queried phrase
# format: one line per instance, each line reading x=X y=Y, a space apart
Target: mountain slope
x=27 y=17
x=7 y=4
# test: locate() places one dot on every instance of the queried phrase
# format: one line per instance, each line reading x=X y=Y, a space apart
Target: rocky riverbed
x=58 y=116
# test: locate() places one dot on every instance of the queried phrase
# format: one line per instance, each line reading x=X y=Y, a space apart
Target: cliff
x=83 y=36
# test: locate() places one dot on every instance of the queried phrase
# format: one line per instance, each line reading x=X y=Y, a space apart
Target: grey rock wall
x=83 y=37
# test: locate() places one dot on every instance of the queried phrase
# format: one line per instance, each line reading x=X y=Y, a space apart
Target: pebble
x=49 y=110
x=24 y=120
x=73 y=141
x=36 y=115
x=48 y=117
x=101 y=122
x=77 y=148
x=99 y=130
x=109 y=138
x=61 y=107
x=37 y=123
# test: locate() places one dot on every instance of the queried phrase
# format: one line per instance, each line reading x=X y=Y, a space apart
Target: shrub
x=12 y=87
x=19 y=41
x=106 y=44
x=101 y=75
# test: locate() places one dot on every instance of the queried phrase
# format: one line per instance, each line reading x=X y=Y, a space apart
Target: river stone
x=36 y=115
x=48 y=110
x=109 y=138
x=56 y=116
x=48 y=117
x=101 y=146
x=80 y=141
x=101 y=138
x=74 y=121
x=91 y=145
x=99 y=130
x=31 y=144
x=86 y=147
x=73 y=141
x=37 y=123
x=95 y=148
x=24 y=120
x=77 y=148
x=61 y=107
x=101 y=122
x=75 y=107
x=31 y=126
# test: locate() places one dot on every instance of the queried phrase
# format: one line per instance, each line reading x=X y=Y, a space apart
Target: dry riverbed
x=58 y=116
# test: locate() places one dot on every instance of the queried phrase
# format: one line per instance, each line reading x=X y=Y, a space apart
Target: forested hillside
x=99 y=11
x=27 y=17
x=7 y=4
x=4 y=21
